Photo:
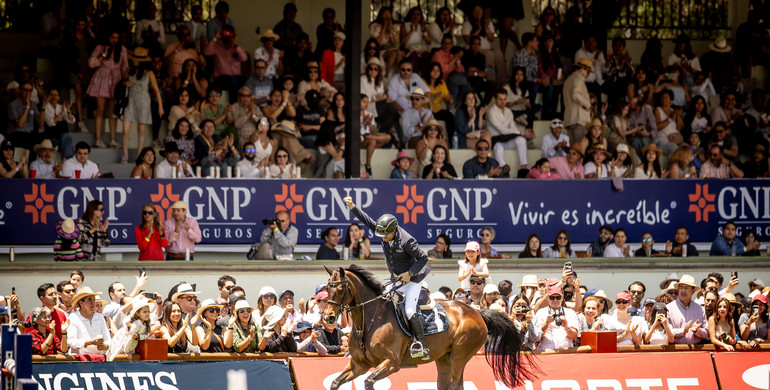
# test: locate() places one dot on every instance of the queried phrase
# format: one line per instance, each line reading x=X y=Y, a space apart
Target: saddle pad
x=433 y=321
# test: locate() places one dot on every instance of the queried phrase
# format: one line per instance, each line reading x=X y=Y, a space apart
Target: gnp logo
x=410 y=204
x=39 y=204
x=701 y=203
x=731 y=203
x=757 y=377
x=163 y=201
x=289 y=200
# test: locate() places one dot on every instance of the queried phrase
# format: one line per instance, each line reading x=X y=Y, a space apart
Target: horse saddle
x=432 y=315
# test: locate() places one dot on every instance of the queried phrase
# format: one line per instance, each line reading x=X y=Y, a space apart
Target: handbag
x=121 y=99
x=252 y=253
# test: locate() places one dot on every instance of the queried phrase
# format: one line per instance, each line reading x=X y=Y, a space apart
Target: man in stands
x=185 y=297
x=717 y=166
x=505 y=134
x=225 y=284
x=414 y=118
x=47 y=295
x=527 y=59
x=636 y=290
x=215 y=25
x=249 y=167
x=245 y=115
x=296 y=58
x=476 y=293
x=596 y=249
x=259 y=85
x=640 y=116
x=278 y=239
x=24 y=118
x=228 y=56
x=116 y=291
x=80 y=167
x=558 y=324
x=182 y=233
x=687 y=318
x=165 y=170
x=680 y=247
x=288 y=29
x=401 y=85
x=556 y=143
x=577 y=102
x=594 y=79
x=88 y=331
x=65 y=291
x=482 y=164
x=43 y=166
x=726 y=244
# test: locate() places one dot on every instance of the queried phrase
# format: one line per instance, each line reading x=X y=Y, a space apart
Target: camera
x=270 y=221
x=558 y=317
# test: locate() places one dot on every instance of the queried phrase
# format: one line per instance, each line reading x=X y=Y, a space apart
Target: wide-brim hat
x=652 y=147
x=67 y=229
x=207 y=304
x=672 y=277
x=599 y=148
x=603 y=296
x=731 y=298
x=417 y=92
x=670 y=286
x=242 y=304
x=285 y=125
x=400 y=155
x=312 y=64
x=183 y=289
x=374 y=61
x=84 y=292
x=596 y=122
x=46 y=144
x=528 y=281
x=272 y=315
x=104 y=302
x=170 y=147
x=687 y=280
x=269 y=35
x=140 y=54
x=720 y=45
x=432 y=122
x=180 y=204
x=576 y=147
x=585 y=63
x=138 y=303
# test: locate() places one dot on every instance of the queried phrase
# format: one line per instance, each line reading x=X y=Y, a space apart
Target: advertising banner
x=611 y=371
x=255 y=374
x=231 y=211
x=743 y=371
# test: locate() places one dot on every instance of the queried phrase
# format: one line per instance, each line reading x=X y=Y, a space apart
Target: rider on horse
x=406 y=262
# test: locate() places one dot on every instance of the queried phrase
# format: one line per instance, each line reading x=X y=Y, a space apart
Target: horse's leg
x=459 y=360
x=384 y=369
x=351 y=371
x=444 y=368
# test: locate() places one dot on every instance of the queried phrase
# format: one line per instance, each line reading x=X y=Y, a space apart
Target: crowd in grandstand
x=552 y=313
x=426 y=85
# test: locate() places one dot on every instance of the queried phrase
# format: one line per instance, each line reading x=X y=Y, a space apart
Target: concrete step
x=121 y=171
x=112 y=156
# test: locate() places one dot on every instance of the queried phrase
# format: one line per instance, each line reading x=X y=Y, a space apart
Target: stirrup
x=417 y=350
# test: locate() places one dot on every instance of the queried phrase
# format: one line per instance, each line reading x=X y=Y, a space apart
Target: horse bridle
x=345 y=308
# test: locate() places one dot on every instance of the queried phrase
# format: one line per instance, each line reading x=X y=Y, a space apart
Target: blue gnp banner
x=259 y=374
x=231 y=211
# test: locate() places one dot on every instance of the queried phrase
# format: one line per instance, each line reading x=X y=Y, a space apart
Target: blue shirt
x=473 y=168
x=396 y=174
x=720 y=247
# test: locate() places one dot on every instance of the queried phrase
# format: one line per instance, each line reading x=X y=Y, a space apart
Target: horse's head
x=340 y=295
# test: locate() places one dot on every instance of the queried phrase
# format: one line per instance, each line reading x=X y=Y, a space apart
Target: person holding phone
x=754 y=325
x=93 y=231
x=659 y=329
x=150 y=235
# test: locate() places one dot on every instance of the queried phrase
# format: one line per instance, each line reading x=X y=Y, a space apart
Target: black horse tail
x=503 y=350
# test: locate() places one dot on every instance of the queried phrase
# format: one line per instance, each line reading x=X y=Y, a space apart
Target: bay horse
x=377 y=341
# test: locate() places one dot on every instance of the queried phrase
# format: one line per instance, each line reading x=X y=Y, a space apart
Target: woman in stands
x=57 y=117
x=622 y=166
x=415 y=39
x=561 y=247
x=192 y=78
x=278 y=335
x=145 y=164
x=432 y=136
x=721 y=326
x=629 y=327
x=110 y=59
x=370 y=138
x=76 y=45
x=138 y=111
x=283 y=168
x=187 y=107
x=542 y=170
x=697 y=120
x=215 y=109
x=267 y=297
x=650 y=166
x=618 y=247
x=598 y=168
x=669 y=122
x=640 y=87
x=551 y=75
x=440 y=101
x=658 y=328
x=212 y=338
x=150 y=235
x=9 y=168
x=594 y=137
x=184 y=136
x=754 y=325
x=373 y=85
x=469 y=120
x=357 y=242
x=331 y=151
x=478 y=25
x=247 y=334
x=532 y=247
x=93 y=232
x=384 y=32
x=620 y=123
x=441 y=250
x=212 y=150
x=518 y=98
x=439 y=168
x=177 y=331
x=592 y=318
x=487 y=236
x=279 y=107
x=315 y=82
x=474 y=264
x=43 y=331
x=680 y=163
x=521 y=314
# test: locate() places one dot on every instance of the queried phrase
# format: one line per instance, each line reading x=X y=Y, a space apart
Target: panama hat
x=180 y=204
x=207 y=304
x=272 y=316
x=417 y=92
x=672 y=277
x=585 y=63
x=603 y=296
x=67 y=229
x=652 y=147
x=400 y=155
x=140 y=54
x=46 y=144
x=687 y=280
x=312 y=64
x=84 y=292
x=269 y=35
x=528 y=281
x=720 y=45
x=730 y=297
x=184 y=288
x=242 y=304
x=432 y=122
x=374 y=61
x=576 y=148
x=99 y=299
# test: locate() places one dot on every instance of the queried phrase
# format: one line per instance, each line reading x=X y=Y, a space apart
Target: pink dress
x=107 y=74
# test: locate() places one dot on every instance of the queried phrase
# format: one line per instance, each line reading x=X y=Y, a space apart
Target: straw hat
x=400 y=155
x=84 y=292
x=180 y=204
x=596 y=122
x=585 y=63
x=140 y=54
x=374 y=61
x=269 y=35
x=599 y=148
x=67 y=229
x=652 y=147
x=720 y=45
x=528 y=281
x=417 y=92
x=184 y=288
x=672 y=277
x=99 y=299
x=272 y=316
x=432 y=122
x=46 y=144
x=730 y=297
x=207 y=304
x=242 y=304
x=576 y=147
x=603 y=296
x=688 y=280
x=312 y=64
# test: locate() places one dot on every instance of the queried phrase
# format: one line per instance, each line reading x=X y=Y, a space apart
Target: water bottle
x=684 y=250
x=345 y=253
x=12 y=255
x=187 y=254
x=455 y=141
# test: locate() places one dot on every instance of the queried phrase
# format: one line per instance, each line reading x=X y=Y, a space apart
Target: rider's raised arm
x=364 y=218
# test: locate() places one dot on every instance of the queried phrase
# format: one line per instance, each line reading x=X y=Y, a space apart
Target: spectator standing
x=328 y=250
x=288 y=29
x=557 y=323
x=246 y=332
x=659 y=327
x=384 y=31
x=88 y=332
x=526 y=59
x=177 y=54
x=221 y=19
x=182 y=233
x=49 y=298
x=333 y=63
x=590 y=51
x=577 y=103
x=149 y=31
x=550 y=75
x=150 y=235
x=325 y=31
x=93 y=231
x=721 y=327
x=473 y=265
x=754 y=325
x=687 y=318
x=720 y=63
x=110 y=60
x=67 y=247
x=278 y=239
x=414 y=38
x=228 y=56
x=481 y=26
x=295 y=59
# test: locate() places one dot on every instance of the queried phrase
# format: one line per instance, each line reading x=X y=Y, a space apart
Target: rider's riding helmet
x=387 y=223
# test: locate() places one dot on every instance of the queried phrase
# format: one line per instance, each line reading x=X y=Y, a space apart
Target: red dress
x=151 y=249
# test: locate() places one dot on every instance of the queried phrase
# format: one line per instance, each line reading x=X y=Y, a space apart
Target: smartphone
x=149 y=295
x=13 y=290
x=142 y=271
x=733 y=274
x=568 y=266
x=754 y=309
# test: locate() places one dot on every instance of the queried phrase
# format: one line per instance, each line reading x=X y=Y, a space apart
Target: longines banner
x=231 y=211
x=259 y=374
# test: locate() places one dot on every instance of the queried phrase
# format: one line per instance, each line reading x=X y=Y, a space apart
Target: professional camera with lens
x=271 y=221
x=558 y=317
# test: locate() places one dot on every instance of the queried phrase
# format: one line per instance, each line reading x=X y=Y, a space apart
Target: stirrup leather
x=417 y=350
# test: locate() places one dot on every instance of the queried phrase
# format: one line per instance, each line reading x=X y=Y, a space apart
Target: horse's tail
x=503 y=349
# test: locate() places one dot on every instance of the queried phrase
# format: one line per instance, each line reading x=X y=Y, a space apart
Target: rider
x=406 y=262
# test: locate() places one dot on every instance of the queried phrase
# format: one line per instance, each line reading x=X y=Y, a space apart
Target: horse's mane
x=367 y=277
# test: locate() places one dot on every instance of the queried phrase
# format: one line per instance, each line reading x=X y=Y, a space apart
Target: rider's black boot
x=418 y=348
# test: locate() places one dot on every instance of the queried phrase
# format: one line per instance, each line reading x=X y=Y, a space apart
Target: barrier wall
x=231 y=211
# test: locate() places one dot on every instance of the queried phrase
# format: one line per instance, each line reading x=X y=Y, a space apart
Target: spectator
x=522 y=316
x=43 y=331
x=384 y=32
x=93 y=231
x=172 y=167
x=277 y=331
x=757 y=166
x=569 y=167
x=288 y=30
x=751 y=244
x=307 y=339
x=542 y=170
x=658 y=326
x=518 y=98
x=491 y=297
x=67 y=247
x=187 y=107
x=80 y=167
x=474 y=264
x=754 y=325
x=247 y=333
x=597 y=247
x=278 y=239
x=331 y=150
x=446 y=66
x=717 y=166
x=357 y=242
x=221 y=18
x=595 y=136
x=476 y=292
x=150 y=235
x=688 y=320
x=56 y=120
x=640 y=87
x=113 y=310
x=577 y=103
x=469 y=121
x=618 y=247
x=721 y=327
x=680 y=163
x=211 y=338
x=327 y=250
x=680 y=246
x=598 y=168
x=636 y=291
x=722 y=137
x=88 y=332
x=145 y=164
x=149 y=31
x=646 y=250
x=182 y=233
x=271 y=55
x=283 y=168
x=333 y=62
x=228 y=56
x=719 y=62
x=414 y=118
x=591 y=318
x=561 y=247
x=402 y=163
x=702 y=87
x=325 y=31
x=9 y=168
x=213 y=151
x=43 y=167
x=641 y=116
x=279 y=107
x=630 y=328
x=710 y=298
x=557 y=323
x=650 y=166
x=259 y=85
x=314 y=82
x=401 y=87
x=550 y=74
x=441 y=250
x=181 y=338
x=177 y=54
x=249 y=166
x=594 y=79
x=727 y=112
x=371 y=139
x=110 y=59
x=526 y=59
x=479 y=25
x=505 y=134
x=727 y=244
x=333 y=339
x=532 y=248
x=756 y=284
x=555 y=143
x=66 y=291
x=286 y=301
x=245 y=115
x=48 y=298
x=475 y=65
x=184 y=135
x=669 y=123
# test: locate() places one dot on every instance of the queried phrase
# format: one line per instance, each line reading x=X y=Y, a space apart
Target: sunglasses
x=372 y=68
x=486 y=235
x=554 y=298
x=432 y=129
x=635 y=292
x=215 y=94
x=148 y=212
x=461 y=295
x=673 y=292
x=648 y=239
x=246 y=310
x=282 y=156
x=189 y=299
x=213 y=310
x=405 y=70
x=72 y=291
x=477 y=283
x=621 y=302
x=482 y=148
x=251 y=150
x=415 y=98
x=269 y=296
x=228 y=288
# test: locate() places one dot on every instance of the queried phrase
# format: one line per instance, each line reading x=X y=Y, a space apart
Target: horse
x=377 y=341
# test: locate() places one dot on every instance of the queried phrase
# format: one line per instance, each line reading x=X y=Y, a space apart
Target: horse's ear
x=342 y=273
x=328 y=270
